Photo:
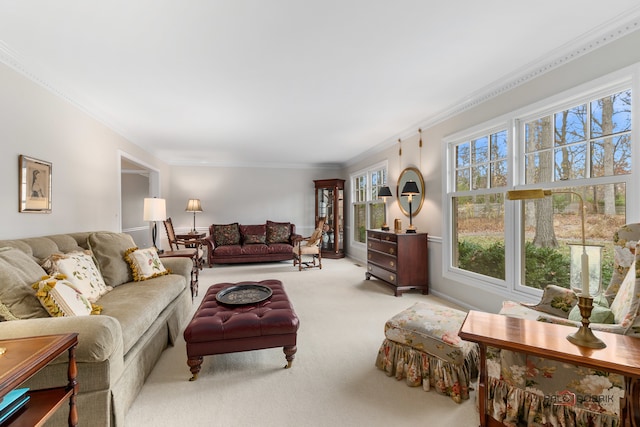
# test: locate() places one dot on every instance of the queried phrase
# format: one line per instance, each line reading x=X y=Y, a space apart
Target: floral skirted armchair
x=534 y=391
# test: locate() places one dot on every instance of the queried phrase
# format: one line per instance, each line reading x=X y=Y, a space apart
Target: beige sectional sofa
x=118 y=348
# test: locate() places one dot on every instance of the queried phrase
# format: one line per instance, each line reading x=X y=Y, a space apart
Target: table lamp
x=410 y=189
x=383 y=193
x=193 y=205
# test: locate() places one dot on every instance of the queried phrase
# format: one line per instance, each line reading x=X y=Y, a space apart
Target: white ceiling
x=286 y=82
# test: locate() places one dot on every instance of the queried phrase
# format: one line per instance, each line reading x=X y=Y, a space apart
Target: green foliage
x=544 y=266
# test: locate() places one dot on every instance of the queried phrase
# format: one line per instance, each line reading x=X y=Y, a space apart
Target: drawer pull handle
x=392 y=264
x=392 y=251
x=369 y=256
x=369 y=268
x=392 y=278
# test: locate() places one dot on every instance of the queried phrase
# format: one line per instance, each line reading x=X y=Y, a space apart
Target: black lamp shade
x=410 y=188
x=384 y=192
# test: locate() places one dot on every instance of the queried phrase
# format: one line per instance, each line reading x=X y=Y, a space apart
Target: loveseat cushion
x=108 y=250
x=18 y=271
x=137 y=305
x=278 y=232
x=226 y=234
x=280 y=248
x=228 y=250
x=253 y=234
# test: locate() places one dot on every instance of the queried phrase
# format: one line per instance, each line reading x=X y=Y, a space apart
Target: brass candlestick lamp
x=383 y=193
x=584 y=335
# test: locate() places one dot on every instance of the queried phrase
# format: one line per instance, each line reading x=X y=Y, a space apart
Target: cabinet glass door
x=326 y=209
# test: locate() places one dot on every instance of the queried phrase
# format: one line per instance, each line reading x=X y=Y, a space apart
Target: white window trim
x=364 y=171
x=510 y=287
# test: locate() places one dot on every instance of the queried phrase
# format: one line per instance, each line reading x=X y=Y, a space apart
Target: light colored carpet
x=333 y=380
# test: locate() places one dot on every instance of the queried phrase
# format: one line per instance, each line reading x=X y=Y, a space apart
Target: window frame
x=368 y=172
x=514 y=122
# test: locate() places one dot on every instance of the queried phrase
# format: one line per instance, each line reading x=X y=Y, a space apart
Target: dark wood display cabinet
x=398 y=259
x=330 y=205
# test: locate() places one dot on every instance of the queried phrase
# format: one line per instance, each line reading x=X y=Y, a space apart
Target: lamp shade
x=193 y=205
x=384 y=192
x=410 y=188
x=155 y=209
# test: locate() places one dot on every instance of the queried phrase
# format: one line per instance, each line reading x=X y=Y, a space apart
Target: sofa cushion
x=138 y=305
x=625 y=304
x=278 y=232
x=59 y=297
x=253 y=234
x=108 y=250
x=281 y=248
x=80 y=270
x=226 y=234
x=228 y=250
x=17 y=272
x=145 y=263
x=255 y=249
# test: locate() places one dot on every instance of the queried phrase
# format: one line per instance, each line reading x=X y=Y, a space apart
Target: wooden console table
x=549 y=340
x=26 y=356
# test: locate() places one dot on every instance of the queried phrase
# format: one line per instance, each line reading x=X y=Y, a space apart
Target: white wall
x=245 y=195
x=86 y=182
x=609 y=58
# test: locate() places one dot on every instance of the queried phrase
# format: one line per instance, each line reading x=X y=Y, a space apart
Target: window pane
x=571 y=125
x=499 y=174
x=611 y=156
x=479 y=177
x=480 y=153
x=499 y=145
x=550 y=224
x=570 y=162
x=360 y=223
x=360 y=188
x=538 y=134
x=462 y=155
x=611 y=114
x=479 y=226
x=376 y=215
x=462 y=179
x=539 y=167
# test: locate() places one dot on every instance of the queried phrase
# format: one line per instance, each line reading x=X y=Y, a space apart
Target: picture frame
x=34 y=185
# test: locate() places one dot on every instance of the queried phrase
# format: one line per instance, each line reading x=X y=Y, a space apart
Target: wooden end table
x=24 y=357
x=550 y=341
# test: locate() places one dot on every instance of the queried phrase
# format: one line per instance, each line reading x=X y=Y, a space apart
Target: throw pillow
x=81 y=271
x=145 y=263
x=556 y=300
x=17 y=272
x=625 y=304
x=58 y=296
x=108 y=250
x=601 y=312
x=278 y=232
x=226 y=234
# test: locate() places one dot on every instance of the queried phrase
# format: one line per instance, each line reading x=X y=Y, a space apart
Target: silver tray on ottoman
x=249 y=293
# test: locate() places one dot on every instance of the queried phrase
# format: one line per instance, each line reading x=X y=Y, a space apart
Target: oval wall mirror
x=410 y=174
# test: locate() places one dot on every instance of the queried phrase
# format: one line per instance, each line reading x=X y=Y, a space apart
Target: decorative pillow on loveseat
x=81 y=271
x=59 y=297
x=278 y=232
x=556 y=300
x=226 y=234
x=253 y=234
x=108 y=250
x=601 y=312
x=145 y=263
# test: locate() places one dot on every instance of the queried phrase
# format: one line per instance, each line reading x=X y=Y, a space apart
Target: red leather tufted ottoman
x=217 y=328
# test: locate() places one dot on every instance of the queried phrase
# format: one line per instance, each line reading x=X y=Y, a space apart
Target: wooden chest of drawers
x=398 y=259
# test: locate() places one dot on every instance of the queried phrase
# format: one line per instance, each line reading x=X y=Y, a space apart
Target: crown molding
x=595 y=39
x=253 y=165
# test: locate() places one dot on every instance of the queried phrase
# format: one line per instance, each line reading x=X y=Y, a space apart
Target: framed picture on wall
x=35 y=185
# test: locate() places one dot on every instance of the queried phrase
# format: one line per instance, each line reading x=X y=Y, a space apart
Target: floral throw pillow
x=556 y=300
x=278 y=232
x=60 y=298
x=81 y=271
x=226 y=234
x=145 y=263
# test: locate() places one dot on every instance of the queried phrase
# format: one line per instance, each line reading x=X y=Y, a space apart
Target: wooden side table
x=549 y=340
x=26 y=356
x=195 y=271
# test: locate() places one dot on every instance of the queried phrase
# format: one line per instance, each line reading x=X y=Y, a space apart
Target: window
x=580 y=150
x=368 y=209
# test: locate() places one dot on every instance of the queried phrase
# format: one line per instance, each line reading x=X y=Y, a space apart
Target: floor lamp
x=383 y=193
x=584 y=336
x=193 y=205
x=155 y=210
